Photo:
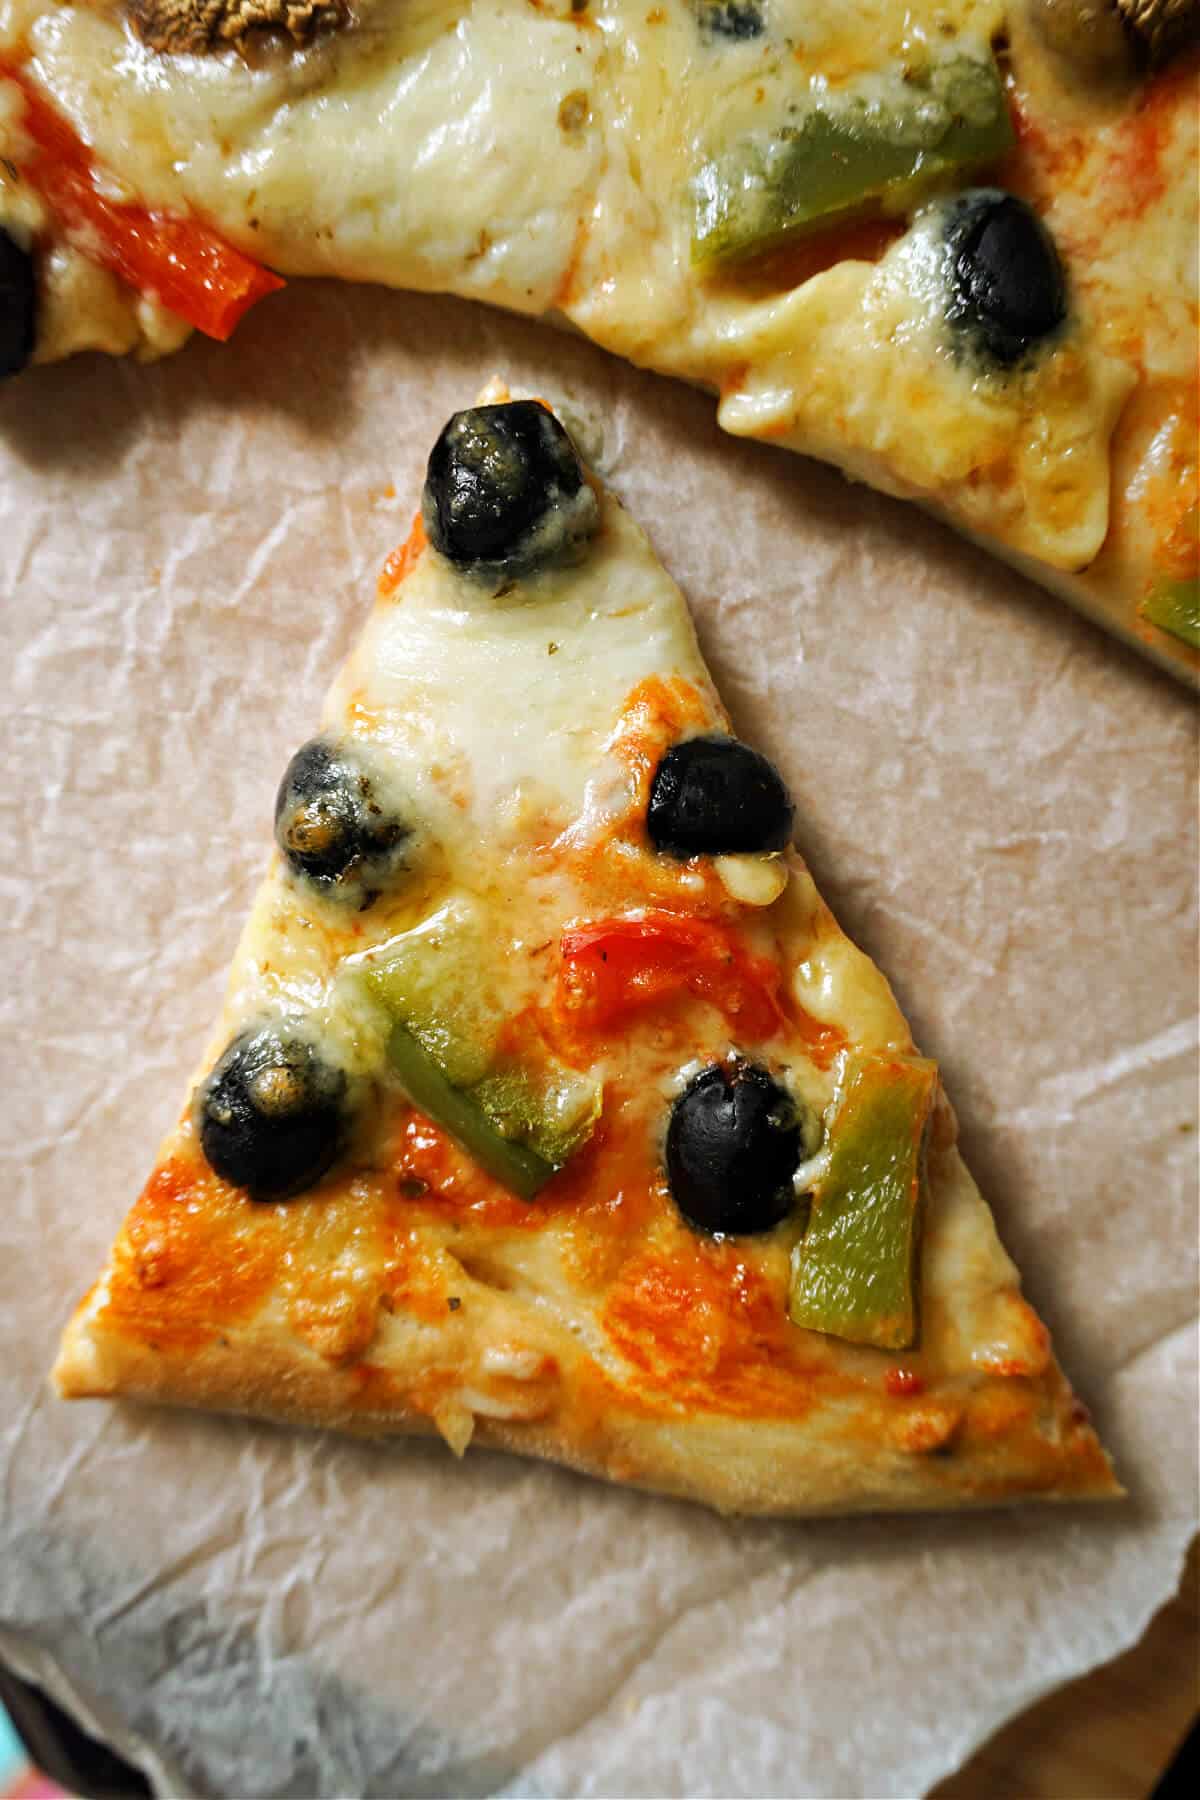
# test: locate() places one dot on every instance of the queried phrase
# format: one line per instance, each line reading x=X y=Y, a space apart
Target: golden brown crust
x=763 y=1467
x=991 y=1439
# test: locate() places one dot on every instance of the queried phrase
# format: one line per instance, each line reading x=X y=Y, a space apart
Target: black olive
x=714 y=796
x=733 y=1144
x=272 y=1114
x=731 y=18
x=1008 y=288
x=18 y=306
x=332 y=826
x=504 y=491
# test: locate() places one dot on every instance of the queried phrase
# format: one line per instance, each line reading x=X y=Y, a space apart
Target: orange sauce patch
x=1136 y=178
x=655 y=714
x=403 y=560
x=822 y=1042
x=697 y=1324
x=610 y=1196
x=431 y=1174
x=703 y=1328
x=616 y=867
x=1048 y=159
x=1041 y=160
x=195 y=1254
x=901 y=1383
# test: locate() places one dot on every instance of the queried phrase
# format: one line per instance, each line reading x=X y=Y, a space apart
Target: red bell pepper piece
x=171 y=256
x=612 y=966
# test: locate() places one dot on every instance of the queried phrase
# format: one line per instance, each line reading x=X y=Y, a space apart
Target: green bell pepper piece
x=509 y=1116
x=1175 y=607
x=431 y=981
x=854 y=1270
x=514 y=1165
x=521 y=1106
x=841 y=158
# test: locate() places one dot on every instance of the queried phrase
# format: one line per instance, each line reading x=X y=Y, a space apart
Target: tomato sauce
x=703 y=1327
x=403 y=560
x=191 y=1257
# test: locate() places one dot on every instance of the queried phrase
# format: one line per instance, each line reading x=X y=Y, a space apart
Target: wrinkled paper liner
x=996 y=800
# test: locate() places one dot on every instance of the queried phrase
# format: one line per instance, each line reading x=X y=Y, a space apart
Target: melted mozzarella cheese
x=482 y=700
x=494 y=723
x=399 y=153
x=1024 y=455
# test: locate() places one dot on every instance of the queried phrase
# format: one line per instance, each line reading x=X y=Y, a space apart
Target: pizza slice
x=549 y=1107
x=947 y=245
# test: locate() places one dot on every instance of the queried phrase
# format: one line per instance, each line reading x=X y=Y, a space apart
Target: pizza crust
x=497 y=1375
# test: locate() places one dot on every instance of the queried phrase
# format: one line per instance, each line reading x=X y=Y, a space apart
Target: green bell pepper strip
x=517 y=1106
x=1174 y=606
x=513 y=1165
x=430 y=982
x=840 y=160
x=502 y=1112
x=854 y=1271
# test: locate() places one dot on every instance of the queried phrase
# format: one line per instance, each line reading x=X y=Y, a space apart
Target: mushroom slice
x=199 y=25
x=1161 y=27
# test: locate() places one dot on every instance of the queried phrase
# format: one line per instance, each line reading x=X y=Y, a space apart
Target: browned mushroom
x=1161 y=27
x=1111 y=38
x=1089 y=34
x=199 y=25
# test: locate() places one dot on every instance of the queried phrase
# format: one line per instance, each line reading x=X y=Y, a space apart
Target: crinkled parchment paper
x=998 y=802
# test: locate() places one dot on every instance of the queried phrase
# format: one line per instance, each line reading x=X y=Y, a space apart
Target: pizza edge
x=1023 y=1437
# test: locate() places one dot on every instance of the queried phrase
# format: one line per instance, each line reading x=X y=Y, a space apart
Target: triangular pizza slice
x=549 y=1107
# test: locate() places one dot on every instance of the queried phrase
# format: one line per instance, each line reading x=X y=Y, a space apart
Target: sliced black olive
x=331 y=824
x=272 y=1114
x=714 y=796
x=1008 y=288
x=740 y=19
x=18 y=306
x=504 y=491
x=733 y=1144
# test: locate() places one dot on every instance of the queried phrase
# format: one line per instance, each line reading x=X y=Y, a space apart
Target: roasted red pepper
x=169 y=256
x=614 y=966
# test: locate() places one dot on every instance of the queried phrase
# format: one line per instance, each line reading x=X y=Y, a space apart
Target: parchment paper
x=996 y=799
